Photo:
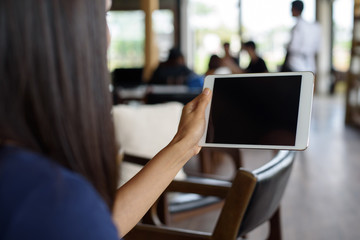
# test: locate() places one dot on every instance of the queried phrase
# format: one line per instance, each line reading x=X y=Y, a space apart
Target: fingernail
x=206 y=91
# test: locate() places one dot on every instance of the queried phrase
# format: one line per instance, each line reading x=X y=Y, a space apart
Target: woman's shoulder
x=25 y=171
x=39 y=198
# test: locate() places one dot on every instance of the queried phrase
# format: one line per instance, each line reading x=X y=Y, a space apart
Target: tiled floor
x=322 y=200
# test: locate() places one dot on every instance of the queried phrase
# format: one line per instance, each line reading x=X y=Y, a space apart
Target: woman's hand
x=192 y=122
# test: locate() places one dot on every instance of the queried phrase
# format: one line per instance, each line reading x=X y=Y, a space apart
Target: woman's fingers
x=199 y=103
x=192 y=123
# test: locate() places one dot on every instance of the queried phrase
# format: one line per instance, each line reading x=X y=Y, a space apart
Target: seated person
x=257 y=64
x=173 y=71
x=216 y=66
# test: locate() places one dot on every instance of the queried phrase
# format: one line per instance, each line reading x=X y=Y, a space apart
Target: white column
x=186 y=37
x=324 y=56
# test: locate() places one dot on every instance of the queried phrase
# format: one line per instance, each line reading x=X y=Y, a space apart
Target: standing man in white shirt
x=304 y=43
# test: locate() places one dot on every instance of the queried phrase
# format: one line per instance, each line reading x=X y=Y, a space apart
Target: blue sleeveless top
x=41 y=200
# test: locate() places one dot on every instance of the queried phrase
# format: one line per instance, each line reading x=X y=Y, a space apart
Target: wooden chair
x=250 y=200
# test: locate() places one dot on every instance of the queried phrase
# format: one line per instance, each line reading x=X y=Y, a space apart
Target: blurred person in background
x=257 y=64
x=173 y=71
x=304 y=43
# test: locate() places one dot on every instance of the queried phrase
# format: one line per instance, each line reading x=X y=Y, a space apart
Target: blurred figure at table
x=173 y=71
x=219 y=65
x=257 y=64
x=216 y=66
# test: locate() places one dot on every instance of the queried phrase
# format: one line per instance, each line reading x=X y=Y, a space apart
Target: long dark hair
x=54 y=85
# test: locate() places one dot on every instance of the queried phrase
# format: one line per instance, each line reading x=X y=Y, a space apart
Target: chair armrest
x=159 y=212
x=202 y=186
x=149 y=232
x=199 y=185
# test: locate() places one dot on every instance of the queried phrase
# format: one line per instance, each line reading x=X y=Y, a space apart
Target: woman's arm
x=135 y=197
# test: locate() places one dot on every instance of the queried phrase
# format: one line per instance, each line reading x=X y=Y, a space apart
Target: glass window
x=163 y=27
x=211 y=24
x=127 y=29
x=343 y=24
x=268 y=24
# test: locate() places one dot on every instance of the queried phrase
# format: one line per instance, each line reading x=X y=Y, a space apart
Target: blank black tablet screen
x=255 y=110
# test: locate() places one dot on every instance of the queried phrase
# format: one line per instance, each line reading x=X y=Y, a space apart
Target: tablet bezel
x=304 y=116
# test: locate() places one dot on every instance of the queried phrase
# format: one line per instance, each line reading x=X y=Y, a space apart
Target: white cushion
x=143 y=130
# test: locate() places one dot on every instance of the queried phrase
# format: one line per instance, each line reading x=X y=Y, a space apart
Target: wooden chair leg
x=236 y=156
x=206 y=156
x=205 y=160
x=275 y=226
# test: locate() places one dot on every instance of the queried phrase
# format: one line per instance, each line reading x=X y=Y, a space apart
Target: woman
x=57 y=153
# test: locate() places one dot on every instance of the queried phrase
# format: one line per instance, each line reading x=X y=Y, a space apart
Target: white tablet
x=263 y=111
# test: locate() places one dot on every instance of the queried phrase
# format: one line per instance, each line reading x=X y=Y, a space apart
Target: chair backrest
x=254 y=197
x=127 y=77
x=171 y=93
x=143 y=130
x=271 y=181
x=184 y=98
